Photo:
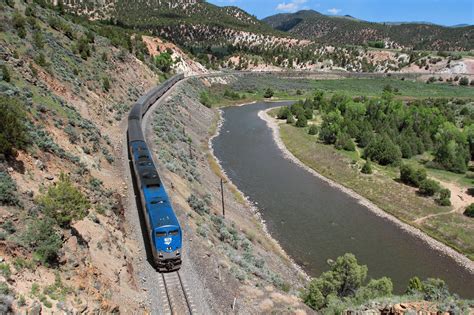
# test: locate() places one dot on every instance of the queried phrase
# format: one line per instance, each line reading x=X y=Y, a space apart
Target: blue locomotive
x=163 y=229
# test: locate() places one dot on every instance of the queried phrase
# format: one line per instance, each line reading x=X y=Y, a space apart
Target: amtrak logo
x=168 y=240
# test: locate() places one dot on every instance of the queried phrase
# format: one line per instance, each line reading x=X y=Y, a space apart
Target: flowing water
x=315 y=222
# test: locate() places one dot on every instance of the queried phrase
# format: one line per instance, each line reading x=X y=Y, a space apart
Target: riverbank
x=431 y=242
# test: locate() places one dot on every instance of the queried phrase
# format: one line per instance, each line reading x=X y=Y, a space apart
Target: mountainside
x=332 y=30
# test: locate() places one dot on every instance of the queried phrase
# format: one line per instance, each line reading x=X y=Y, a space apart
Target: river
x=315 y=222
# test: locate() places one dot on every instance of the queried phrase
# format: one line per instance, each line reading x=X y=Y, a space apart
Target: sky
x=443 y=12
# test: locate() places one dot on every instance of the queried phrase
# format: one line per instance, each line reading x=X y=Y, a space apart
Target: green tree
x=308 y=112
x=444 y=197
x=64 y=202
x=164 y=61
x=435 y=289
x=5 y=73
x=331 y=127
x=382 y=150
x=464 y=81
x=452 y=151
x=344 y=142
x=204 y=99
x=302 y=121
x=13 y=133
x=290 y=119
x=283 y=112
x=376 y=288
x=43 y=239
x=268 y=93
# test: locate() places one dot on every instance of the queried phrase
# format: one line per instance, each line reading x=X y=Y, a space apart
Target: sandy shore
x=462 y=260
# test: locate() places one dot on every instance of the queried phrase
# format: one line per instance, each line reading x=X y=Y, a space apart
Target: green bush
x=41 y=237
x=435 y=289
x=13 y=131
x=367 y=168
x=8 y=190
x=5 y=73
x=64 y=202
x=464 y=81
x=198 y=205
x=290 y=119
x=268 y=93
x=344 y=142
x=412 y=175
x=469 y=212
x=429 y=187
x=205 y=99
x=444 y=197
x=313 y=130
x=164 y=62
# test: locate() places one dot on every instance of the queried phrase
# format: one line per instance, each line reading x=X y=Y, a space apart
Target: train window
x=143 y=156
x=153 y=186
x=174 y=232
x=155 y=202
x=160 y=234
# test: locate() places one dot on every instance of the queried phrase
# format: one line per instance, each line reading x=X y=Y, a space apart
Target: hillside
x=333 y=30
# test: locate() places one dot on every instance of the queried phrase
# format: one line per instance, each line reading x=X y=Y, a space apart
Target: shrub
x=444 y=197
x=302 y=121
x=367 y=168
x=105 y=84
x=8 y=189
x=268 y=93
x=469 y=212
x=308 y=113
x=164 y=61
x=204 y=99
x=13 y=133
x=344 y=142
x=42 y=238
x=64 y=202
x=429 y=187
x=198 y=205
x=313 y=130
x=435 y=289
x=376 y=288
x=464 y=81
x=290 y=119
x=5 y=73
x=411 y=175
x=414 y=286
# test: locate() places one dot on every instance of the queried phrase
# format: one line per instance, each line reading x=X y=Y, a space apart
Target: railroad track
x=173 y=290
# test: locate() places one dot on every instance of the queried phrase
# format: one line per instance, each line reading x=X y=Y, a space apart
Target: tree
x=64 y=202
x=367 y=168
x=451 y=151
x=435 y=289
x=331 y=127
x=205 y=99
x=344 y=142
x=5 y=73
x=308 y=112
x=164 y=61
x=382 y=150
x=283 y=112
x=376 y=288
x=302 y=121
x=412 y=175
x=290 y=119
x=13 y=132
x=8 y=190
x=268 y=93
x=469 y=212
x=429 y=187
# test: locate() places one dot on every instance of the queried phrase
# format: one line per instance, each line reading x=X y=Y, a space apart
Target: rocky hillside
x=345 y=30
x=64 y=90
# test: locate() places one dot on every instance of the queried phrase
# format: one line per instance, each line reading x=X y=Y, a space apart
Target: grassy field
x=382 y=188
x=406 y=88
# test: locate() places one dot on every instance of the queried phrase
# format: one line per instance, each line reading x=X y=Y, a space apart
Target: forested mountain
x=337 y=30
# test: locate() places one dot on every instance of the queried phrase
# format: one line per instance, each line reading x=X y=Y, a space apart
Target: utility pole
x=222 y=197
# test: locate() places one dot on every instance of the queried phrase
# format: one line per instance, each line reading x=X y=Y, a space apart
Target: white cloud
x=292 y=6
x=334 y=11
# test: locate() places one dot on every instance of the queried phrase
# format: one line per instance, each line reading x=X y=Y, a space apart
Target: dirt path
x=460 y=199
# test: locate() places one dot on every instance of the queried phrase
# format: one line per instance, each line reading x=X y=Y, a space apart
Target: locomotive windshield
x=174 y=232
x=160 y=234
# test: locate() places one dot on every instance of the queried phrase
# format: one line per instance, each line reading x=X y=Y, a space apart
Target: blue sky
x=445 y=12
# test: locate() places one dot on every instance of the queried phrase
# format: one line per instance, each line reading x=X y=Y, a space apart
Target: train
x=162 y=226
